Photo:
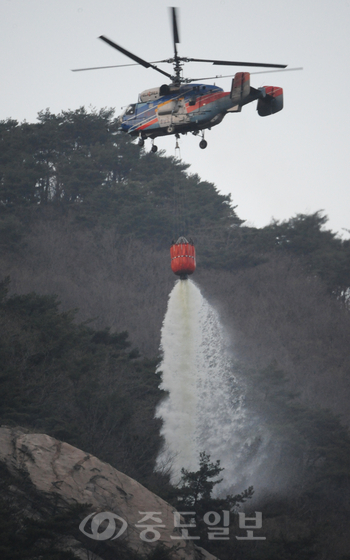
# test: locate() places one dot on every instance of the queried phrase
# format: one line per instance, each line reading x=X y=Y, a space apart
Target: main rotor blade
x=235 y=63
x=218 y=77
x=283 y=70
x=102 y=67
x=176 y=38
x=113 y=66
x=133 y=56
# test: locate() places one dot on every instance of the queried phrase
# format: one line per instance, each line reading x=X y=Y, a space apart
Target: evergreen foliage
x=196 y=486
x=86 y=387
x=77 y=162
x=320 y=250
x=313 y=439
x=195 y=489
x=92 y=389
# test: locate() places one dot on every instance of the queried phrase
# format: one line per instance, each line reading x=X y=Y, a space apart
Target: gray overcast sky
x=296 y=161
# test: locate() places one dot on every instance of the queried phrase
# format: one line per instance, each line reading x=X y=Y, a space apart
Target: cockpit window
x=130 y=110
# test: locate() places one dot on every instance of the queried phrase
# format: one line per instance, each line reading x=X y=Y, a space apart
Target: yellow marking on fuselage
x=169 y=101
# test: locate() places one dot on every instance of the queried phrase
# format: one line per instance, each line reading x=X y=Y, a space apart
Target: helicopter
x=184 y=105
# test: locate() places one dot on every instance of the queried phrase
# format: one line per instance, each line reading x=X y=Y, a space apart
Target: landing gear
x=141 y=141
x=203 y=143
x=154 y=147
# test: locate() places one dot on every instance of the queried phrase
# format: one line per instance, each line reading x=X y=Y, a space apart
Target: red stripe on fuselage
x=202 y=101
x=206 y=100
x=145 y=125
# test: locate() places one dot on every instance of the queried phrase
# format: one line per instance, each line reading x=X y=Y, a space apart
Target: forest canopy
x=78 y=163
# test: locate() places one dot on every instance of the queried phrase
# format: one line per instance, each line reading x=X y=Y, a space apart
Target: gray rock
x=60 y=471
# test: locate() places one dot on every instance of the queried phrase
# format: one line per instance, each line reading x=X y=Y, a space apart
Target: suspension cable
x=180 y=198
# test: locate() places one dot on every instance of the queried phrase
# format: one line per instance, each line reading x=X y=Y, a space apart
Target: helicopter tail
x=240 y=88
x=271 y=101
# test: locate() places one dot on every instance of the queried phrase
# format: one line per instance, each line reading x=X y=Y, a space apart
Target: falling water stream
x=205 y=406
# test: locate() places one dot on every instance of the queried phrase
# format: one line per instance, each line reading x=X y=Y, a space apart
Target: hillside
x=88 y=217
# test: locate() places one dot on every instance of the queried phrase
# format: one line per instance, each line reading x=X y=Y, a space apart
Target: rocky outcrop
x=120 y=509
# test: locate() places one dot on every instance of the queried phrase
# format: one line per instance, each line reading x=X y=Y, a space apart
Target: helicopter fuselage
x=193 y=108
x=189 y=109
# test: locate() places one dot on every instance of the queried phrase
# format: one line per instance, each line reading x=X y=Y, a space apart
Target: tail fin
x=271 y=101
x=240 y=88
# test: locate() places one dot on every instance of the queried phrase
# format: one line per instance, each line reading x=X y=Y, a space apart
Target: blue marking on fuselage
x=146 y=112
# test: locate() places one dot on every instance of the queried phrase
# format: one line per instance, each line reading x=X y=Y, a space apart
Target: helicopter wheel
x=203 y=144
x=141 y=142
x=154 y=148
